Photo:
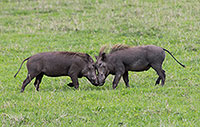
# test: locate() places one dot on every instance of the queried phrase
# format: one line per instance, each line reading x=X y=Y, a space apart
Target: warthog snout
x=94 y=80
x=101 y=78
x=90 y=73
x=102 y=70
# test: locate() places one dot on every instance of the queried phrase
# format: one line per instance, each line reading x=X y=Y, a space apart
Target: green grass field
x=28 y=27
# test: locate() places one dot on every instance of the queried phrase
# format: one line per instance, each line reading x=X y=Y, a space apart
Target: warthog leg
x=75 y=81
x=38 y=81
x=26 y=82
x=158 y=81
x=160 y=72
x=116 y=80
x=125 y=78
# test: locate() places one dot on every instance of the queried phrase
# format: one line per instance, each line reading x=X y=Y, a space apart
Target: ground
x=28 y=27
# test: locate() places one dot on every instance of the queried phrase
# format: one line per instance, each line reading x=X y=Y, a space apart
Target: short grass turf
x=28 y=27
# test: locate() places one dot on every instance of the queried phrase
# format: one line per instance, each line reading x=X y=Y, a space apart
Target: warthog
x=54 y=64
x=123 y=58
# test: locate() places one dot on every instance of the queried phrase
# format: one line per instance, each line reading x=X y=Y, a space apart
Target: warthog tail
x=174 y=57
x=21 y=66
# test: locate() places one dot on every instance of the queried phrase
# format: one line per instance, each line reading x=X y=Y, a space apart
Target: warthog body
x=122 y=59
x=54 y=64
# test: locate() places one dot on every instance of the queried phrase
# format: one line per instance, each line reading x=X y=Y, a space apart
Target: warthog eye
x=94 y=66
x=100 y=65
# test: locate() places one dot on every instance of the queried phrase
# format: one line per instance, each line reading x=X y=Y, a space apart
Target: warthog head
x=102 y=68
x=89 y=71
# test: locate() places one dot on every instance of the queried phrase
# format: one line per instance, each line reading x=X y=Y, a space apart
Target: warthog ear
x=103 y=56
x=96 y=57
x=89 y=59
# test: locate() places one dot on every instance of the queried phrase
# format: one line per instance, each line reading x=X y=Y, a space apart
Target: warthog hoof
x=70 y=85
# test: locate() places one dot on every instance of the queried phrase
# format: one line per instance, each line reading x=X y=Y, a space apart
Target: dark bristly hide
x=118 y=47
x=54 y=64
x=123 y=58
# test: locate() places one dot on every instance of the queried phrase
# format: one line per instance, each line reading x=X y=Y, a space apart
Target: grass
x=29 y=27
